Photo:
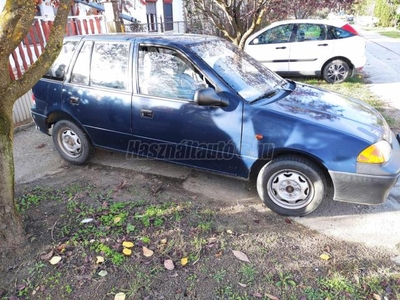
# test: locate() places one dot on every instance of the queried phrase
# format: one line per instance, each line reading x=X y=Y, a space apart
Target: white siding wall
x=22 y=108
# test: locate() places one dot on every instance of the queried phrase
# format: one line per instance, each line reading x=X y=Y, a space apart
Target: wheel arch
x=257 y=166
x=345 y=59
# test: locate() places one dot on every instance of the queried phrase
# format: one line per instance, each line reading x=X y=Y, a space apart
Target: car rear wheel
x=71 y=142
x=336 y=71
x=292 y=186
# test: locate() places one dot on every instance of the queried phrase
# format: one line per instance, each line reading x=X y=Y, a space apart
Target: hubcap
x=337 y=72
x=290 y=189
x=70 y=142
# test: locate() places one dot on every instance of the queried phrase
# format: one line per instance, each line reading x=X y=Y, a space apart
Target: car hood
x=333 y=110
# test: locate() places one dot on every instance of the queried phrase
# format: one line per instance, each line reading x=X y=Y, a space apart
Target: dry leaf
x=127 y=244
x=257 y=295
x=169 y=264
x=48 y=255
x=127 y=251
x=55 y=260
x=184 y=261
x=120 y=296
x=122 y=185
x=376 y=297
x=271 y=296
x=147 y=252
x=163 y=241
x=87 y=220
x=103 y=273
x=229 y=231
x=325 y=256
x=242 y=284
x=240 y=255
x=117 y=219
x=218 y=254
x=99 y=259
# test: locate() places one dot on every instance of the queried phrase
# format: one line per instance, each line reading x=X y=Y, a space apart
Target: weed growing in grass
x=248 y=273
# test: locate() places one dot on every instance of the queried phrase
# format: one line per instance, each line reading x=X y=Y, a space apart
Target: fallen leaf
x=40 y=146
x=103 y=273
x=218 y=254
x=55 y=260
x=99 y=259
x=163 y=241
x=48 y=255
x=169 y=264
x=117 y=219
x=325 y=256
x=127 y=251
x=288 y=221
x=127 y=244
x=257 y=295
x=242 y=284
x=271 y=296
x=147 y=252
x=184 y=261
x=120 y=296
x=229 y=231
x=376 y=297
x=61 y=247
x=212 y=240
x=240 y=255
x=122 y=185
x=87 y=220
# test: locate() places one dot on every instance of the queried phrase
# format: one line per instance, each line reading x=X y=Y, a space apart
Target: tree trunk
x=11 y=230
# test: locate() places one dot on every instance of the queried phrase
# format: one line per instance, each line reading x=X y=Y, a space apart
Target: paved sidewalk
x=383 y=66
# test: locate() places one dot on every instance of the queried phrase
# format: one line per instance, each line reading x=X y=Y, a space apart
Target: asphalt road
x=374 y=226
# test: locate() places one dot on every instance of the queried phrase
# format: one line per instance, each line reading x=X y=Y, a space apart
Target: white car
x=332 y=49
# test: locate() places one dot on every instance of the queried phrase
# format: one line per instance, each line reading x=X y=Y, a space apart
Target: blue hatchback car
x=199 y=101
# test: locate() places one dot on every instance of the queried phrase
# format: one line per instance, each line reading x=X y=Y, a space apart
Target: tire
x=292 y=186
x=336 y=71
x=71 y=142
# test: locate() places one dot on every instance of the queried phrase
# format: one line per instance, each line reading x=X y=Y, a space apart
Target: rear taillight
x=33 y=99
x=350 y=28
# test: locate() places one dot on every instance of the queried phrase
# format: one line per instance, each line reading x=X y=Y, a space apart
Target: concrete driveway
x=374 y=226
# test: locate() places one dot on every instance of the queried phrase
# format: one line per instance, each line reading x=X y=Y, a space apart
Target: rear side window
x=110 y=62
x=338 y=33
x=80 y=73
x=310 y=32
x=60 y=65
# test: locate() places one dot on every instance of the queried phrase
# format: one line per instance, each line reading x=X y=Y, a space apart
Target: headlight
x=375 y=154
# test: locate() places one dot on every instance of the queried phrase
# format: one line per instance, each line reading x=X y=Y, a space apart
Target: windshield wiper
x=268 y=94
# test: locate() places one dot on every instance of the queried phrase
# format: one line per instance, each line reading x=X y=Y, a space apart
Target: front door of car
x=273 y=47
x=99 y=90
x=310 y=49
x=167 y=124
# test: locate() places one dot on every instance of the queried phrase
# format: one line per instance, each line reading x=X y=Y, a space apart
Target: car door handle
x=146 y=113
x=74 y=100
x=323 y=45
x=281 y=47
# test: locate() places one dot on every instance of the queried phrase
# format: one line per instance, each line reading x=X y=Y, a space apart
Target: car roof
x=160 y=38
x=333 y=22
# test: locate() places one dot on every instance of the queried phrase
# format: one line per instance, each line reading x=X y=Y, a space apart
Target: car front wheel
x=291 y=186
x=71 y=142
x=336 y=71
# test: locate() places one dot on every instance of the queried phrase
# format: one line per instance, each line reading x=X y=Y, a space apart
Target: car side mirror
x=208 y=97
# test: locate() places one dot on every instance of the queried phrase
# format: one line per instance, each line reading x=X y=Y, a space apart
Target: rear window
x=60 y=65
x=340 y=33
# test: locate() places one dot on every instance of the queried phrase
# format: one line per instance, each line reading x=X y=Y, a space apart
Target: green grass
x=391 y=33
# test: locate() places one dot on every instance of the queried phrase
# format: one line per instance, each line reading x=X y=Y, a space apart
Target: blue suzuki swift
x=199 y=101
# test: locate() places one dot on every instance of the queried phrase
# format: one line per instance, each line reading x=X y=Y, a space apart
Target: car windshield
x=241 y=72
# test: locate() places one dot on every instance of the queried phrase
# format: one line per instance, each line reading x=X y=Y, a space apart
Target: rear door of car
x=168 y=125
x=272 y=47
x=98 y=92
x=310 y=48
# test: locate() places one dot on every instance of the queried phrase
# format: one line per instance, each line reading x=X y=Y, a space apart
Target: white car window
x=310 y=32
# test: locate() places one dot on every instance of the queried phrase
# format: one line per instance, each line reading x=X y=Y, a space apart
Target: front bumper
x=371 y=188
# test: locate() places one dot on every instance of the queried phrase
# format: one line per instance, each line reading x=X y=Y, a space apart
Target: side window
x=310 y=32
x=60 y=65
x=109 y=66
x=279 y=34
x=338 y=33
x=166 y=73
x=80 y=73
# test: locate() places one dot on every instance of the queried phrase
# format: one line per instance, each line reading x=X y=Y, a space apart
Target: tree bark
x=11 y=230
x=15 y=21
